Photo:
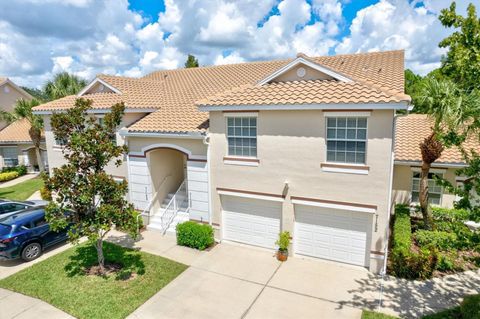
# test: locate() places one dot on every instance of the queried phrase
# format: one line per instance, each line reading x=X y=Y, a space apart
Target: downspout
x=206 y=141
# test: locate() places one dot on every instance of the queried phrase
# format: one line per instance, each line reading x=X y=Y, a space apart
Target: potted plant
x=283 y=242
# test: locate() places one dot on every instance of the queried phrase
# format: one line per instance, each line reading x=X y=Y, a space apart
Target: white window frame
x=440 y=173
x=10 y=158
x=241 y=115
x=356 y=115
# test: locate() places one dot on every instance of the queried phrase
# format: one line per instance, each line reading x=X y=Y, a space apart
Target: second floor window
x=347 y=140
x=242 y=136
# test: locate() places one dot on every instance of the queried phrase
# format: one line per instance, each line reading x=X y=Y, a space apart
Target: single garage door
x=332 y=234
x=251 y=221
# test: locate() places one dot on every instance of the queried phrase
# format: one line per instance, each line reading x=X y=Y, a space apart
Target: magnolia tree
x=87 y=199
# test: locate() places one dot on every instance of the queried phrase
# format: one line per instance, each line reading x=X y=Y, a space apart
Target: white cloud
x=395 y=24
x=87 y=37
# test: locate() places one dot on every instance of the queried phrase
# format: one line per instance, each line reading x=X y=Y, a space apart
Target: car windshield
x=5 y=229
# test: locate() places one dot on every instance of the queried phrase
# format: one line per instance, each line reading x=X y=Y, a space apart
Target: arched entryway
x=167 y=172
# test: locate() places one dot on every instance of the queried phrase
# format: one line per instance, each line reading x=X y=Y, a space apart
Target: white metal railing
x=146 y=211
x=179 y=201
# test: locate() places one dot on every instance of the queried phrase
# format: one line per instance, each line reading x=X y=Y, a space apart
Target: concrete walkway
x=35 y=196
x=18 y=180
x=234 y=281
x=18 y=306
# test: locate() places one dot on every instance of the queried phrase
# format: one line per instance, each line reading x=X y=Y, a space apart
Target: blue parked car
x=26 y=235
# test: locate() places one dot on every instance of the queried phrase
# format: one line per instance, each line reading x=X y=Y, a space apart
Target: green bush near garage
x=195 y=235
x=405 y=263
x=8 y=176
x=441 y=240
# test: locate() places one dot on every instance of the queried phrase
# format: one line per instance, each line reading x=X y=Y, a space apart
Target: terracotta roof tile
x=175 y=92
x=16 y=132
x=412 y=129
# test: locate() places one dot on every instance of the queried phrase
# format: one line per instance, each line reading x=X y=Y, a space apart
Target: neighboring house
x=410 y=131
x=15 y=142
x=17 y=147
x=303 y=145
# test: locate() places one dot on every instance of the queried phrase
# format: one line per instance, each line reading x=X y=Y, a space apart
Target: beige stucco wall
x=163 y=163
x=402 y=184
x=195 y=146
x=55 y=155
x=8 y=100
x=20 y=153
x=291 y=147
x=311 y=74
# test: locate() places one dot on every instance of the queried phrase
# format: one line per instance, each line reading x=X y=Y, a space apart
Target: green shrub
x=466 y=239
x=283 y=241
x=445 y=262
x=194 y=235
x=470 y=307
x=450 y=214
x=45 y=193
x=7 y=176
x=22 y=169
x=402 y=229
x=436 y=239
x=412 y=265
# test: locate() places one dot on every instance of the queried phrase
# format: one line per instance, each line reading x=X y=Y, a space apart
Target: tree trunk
x=101 y=258
x=431 y=150
x=423 y=196
x=41 y=167
x=36 y=136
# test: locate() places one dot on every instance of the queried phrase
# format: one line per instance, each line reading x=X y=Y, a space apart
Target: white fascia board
x=190 y=135
x=348 y=114
x=240 y=114
x=299 y=107
x=439 y=165
x=310 y=64
x=95 y=81
x=100 y=111
x=334 y=206
x=254 y=196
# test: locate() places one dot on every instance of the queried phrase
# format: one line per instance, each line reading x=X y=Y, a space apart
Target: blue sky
x=135 y=37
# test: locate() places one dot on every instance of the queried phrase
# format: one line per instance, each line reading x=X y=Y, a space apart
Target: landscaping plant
x=95 y=202
x=283 y=242
x=194 y=235
x=7 y=176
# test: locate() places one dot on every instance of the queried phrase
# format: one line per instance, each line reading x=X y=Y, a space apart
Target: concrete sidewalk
x=18 y=306
x=18 y=180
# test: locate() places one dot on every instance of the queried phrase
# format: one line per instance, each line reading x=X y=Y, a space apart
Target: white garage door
x=251 y=221
x=332 y=234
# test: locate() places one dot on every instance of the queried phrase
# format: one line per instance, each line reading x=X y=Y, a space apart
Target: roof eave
x=403 y=105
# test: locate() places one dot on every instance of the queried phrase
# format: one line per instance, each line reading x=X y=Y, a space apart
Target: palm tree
x=23 y=110
x=449 y=108
x=64 y=84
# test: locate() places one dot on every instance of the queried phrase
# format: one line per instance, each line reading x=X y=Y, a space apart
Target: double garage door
x=319 y=232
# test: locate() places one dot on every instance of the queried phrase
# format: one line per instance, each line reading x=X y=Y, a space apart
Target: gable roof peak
x=302 y=55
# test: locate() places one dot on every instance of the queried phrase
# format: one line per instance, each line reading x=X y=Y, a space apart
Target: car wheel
x=31 y=251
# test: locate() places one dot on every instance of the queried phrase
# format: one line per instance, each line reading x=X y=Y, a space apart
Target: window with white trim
x=242 y=136
x=434 y=189
x=10 y=156
x=346 y=140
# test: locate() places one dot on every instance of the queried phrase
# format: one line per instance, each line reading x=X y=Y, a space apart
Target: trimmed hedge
x=7 y=176
x=195 y=235
x=449 y=214
x=45 y=193
x=441 y=240
x=402 y=229
x=404 y=262
x=21 y=170
x=470 y=307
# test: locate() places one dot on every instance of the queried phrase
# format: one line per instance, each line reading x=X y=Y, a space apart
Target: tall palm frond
x=64 y=84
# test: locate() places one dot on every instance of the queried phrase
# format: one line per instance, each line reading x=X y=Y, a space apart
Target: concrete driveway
x=233 y=281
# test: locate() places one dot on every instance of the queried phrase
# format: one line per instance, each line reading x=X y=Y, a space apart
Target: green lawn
x=23 y=190
x=366 y=314
x=60 y=280
x=453 y=313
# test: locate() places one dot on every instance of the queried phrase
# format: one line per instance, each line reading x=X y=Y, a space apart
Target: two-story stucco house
x=16 y=147
x=304 y=145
